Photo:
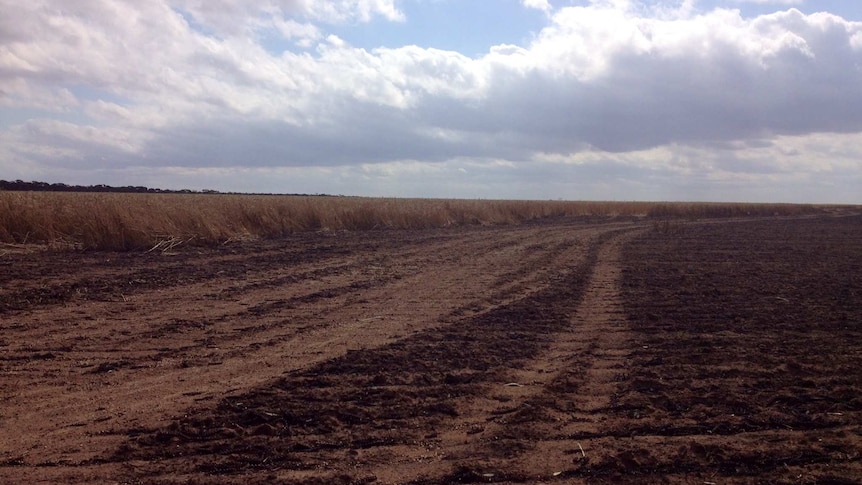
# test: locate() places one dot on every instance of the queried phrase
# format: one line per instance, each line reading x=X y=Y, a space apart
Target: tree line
x=20 y=185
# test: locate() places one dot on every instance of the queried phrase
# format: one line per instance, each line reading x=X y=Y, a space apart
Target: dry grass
x=702 y=210
x=160 y=221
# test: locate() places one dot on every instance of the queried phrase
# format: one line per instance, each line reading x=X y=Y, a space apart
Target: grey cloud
x=720 y=83
x=791 y=75
x=365 y=134
x=646 y=100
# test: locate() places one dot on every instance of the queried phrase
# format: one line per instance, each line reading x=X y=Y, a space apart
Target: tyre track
x=105 y=361
x=531 y=424
x=388 y=406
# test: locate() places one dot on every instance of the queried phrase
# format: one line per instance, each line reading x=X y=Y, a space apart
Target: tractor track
x=567 y=351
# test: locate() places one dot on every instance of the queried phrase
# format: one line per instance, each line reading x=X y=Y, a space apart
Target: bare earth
x=567 y=351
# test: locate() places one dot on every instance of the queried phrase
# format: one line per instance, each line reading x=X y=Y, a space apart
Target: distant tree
x=20 y=185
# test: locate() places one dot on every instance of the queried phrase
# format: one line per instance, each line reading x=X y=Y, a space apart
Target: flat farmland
x=568 y=350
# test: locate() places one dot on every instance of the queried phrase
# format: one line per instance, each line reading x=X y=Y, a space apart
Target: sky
x=673 y=100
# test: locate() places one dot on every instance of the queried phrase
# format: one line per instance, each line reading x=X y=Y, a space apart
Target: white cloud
x=772 y=2
x=17 y=92
x=668 y=92
x=304 y=33
x=542 y=5
x=345 y=10
x=234 y=17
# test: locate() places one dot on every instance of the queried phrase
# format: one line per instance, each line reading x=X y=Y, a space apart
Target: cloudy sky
x=715 y=100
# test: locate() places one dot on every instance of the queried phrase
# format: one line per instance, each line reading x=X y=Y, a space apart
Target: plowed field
x=566 y=351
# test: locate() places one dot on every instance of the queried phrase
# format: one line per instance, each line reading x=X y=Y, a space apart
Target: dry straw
x=158 y=221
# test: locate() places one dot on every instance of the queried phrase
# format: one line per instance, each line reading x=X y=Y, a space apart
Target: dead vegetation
x=158 y=221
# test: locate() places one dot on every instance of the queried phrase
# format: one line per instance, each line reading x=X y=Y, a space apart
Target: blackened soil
x=563 y=351
x=749 y=363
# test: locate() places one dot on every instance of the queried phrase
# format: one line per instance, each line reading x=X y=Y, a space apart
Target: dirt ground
x=566 y=351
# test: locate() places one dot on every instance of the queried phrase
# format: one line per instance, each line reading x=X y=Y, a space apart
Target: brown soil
x=566 y=351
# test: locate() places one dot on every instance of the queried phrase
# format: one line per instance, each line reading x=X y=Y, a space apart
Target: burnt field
x=572 y=350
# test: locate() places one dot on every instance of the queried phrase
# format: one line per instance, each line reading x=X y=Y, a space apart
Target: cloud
x=362 y=10
x=772 y=2
x=234 y=17
x=190 y=83
x=304 y=33
x=542 y=5
x=603 y=79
